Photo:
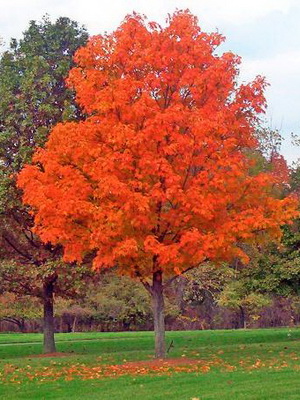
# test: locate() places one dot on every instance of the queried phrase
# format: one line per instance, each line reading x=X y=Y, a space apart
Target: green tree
x=238 y=296
x=273 y=271
x=33 y=99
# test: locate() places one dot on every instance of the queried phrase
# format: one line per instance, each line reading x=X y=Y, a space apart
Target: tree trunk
x=49 y=343
x=74 y=324
x=243 y=317
x=159 y=315
x=22 y=325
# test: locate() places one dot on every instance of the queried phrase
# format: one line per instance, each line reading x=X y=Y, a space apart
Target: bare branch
x=20 y=252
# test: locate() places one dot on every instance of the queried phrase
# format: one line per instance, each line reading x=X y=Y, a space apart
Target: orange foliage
x=280 y=169
x=157 y=170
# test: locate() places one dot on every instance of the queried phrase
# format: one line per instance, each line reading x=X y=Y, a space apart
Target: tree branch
x=146 y=284
x=20 y=252
x=27 y=289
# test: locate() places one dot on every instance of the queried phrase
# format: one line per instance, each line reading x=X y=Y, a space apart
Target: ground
x=205 y=365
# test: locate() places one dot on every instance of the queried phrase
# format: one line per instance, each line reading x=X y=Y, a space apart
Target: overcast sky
x=265 y=33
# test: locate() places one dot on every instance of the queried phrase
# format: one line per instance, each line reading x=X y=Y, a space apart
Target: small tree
x=237 y=296
x=43 y=282
x=155 y=180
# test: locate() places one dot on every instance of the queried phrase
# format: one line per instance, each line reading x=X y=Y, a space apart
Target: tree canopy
x=158 y=168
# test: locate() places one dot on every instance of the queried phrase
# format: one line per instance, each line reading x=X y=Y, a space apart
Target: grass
x=244 y=364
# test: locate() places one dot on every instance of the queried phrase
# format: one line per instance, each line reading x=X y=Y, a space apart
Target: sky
x=265 y=33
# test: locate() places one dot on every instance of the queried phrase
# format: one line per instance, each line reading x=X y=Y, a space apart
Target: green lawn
x=251 y=364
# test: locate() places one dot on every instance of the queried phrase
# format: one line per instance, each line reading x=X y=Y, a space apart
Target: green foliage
x=113 y=300
x=259 y=162
x=119 y=299
x=273 y=271
x=237 y=295
x=34 y=96
x=295 y=180
x=15 y=307
x=32 y=87
x=276 y=269
x=25 y=279
x=206 y=281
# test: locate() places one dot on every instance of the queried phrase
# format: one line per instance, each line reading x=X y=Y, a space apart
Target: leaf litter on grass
x=57 y=371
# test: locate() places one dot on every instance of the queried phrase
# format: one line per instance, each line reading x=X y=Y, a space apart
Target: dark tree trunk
x=158 y=314
x=69 y=326
x=243 y=318
x=22 y=325
x=49 y=343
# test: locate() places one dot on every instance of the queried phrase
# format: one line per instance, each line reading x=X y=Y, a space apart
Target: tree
x=238 y=296
x=155 y=180
x=42 y=282
x=34 y=98
x=118 y=302
x=273 y=273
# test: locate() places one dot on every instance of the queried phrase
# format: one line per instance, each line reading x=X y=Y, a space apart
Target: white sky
x=265 y=33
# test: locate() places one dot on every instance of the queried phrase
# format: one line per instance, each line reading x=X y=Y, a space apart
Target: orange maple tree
x=155 y=180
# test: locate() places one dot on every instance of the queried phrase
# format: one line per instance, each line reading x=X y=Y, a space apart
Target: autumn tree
x=34 y=98
x=155 y=180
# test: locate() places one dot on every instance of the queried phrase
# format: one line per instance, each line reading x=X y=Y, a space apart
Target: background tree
x=206 y=281
x=273 y=273
x=155 y=180
x=42 y=282
x=194 y=294
x=118 y=302
x=254 y=287
x=34 y=98
x=238 y=296
x=17 y=309
x=112 y=302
